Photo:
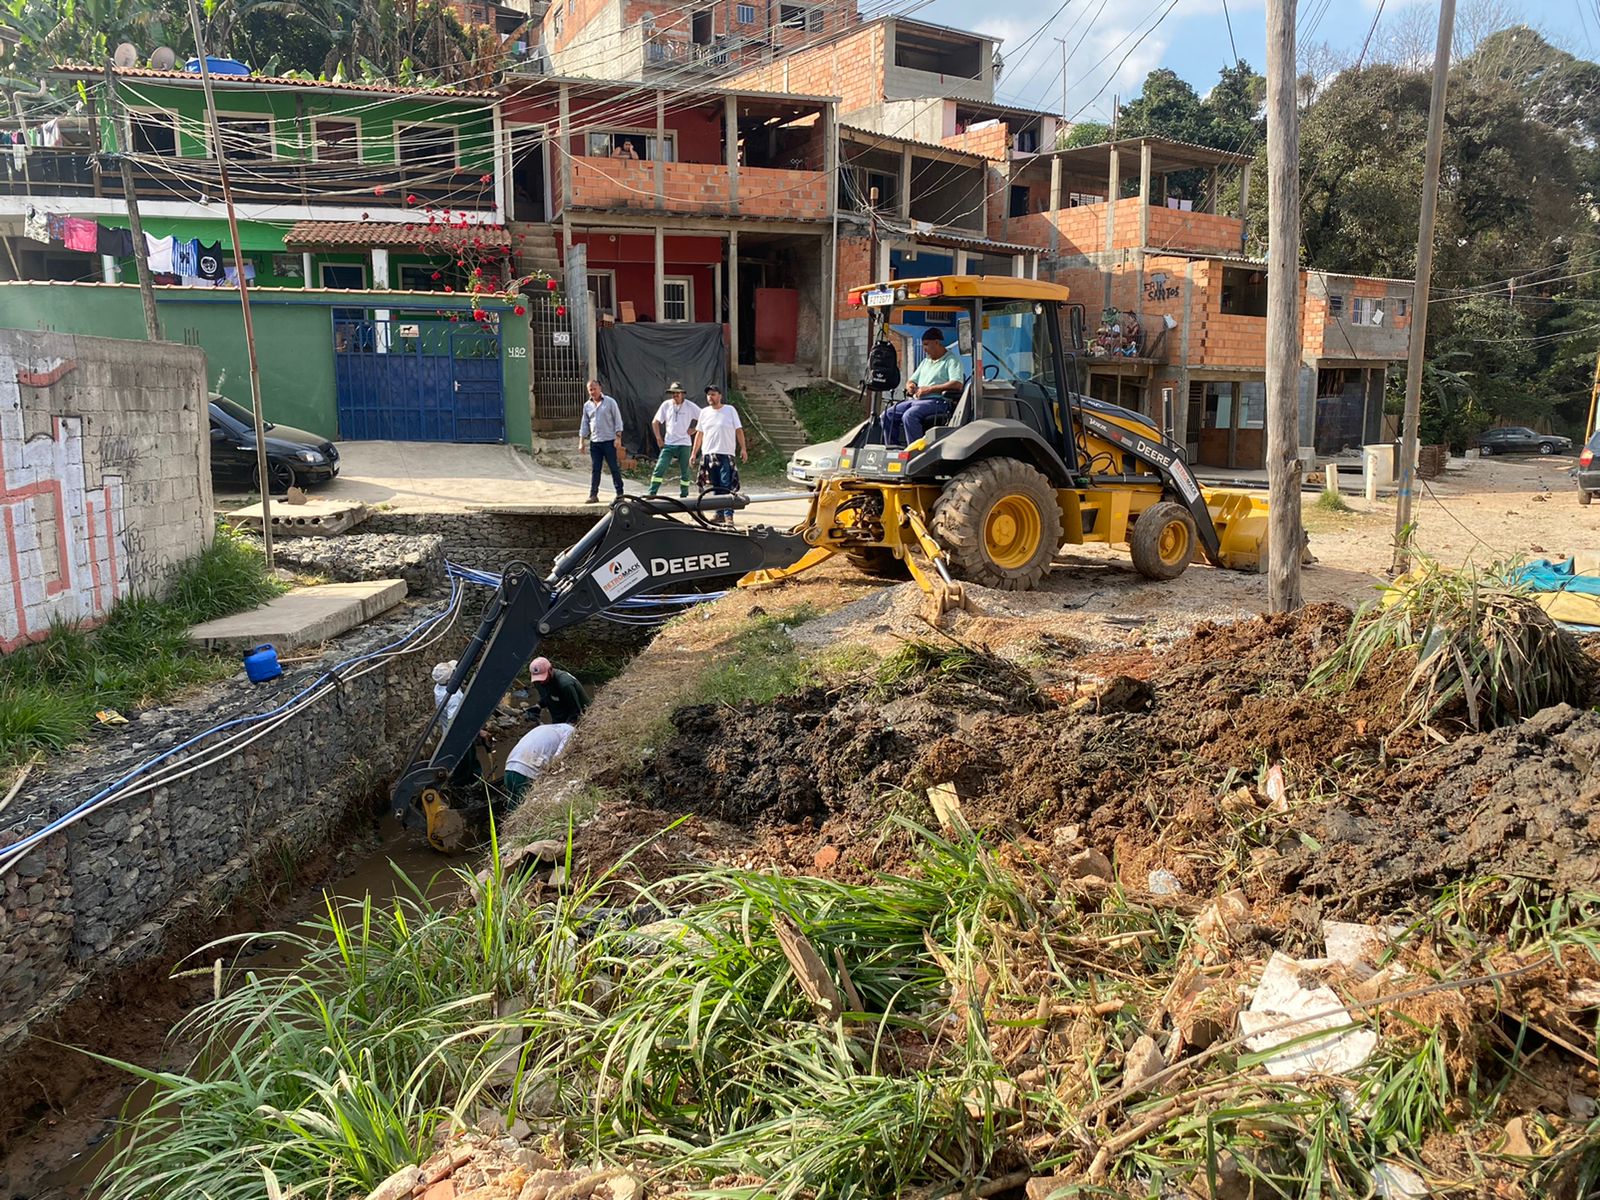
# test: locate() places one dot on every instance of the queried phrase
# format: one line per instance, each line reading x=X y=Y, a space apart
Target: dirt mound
x=1523 y=801
x=1139 y=751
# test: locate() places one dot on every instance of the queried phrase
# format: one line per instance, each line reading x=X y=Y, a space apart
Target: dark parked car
x=1588 y=471
x=1518 y=439
x=294 y=457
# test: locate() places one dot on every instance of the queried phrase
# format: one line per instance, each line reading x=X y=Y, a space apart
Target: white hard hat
x=442 y=672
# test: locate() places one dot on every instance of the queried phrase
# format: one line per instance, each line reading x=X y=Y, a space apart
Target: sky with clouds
x=1112 y=45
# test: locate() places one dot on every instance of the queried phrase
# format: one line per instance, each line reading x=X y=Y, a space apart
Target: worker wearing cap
x=719 y=436
x=534 y=751
x=931 y=393
x=674 y=426
x=558 y=691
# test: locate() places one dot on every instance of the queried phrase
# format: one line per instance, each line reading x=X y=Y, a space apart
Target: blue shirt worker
x=674 y=426
x=600 y=433
x=931 y=393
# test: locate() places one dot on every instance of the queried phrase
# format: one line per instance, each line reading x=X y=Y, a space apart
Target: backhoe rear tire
x=1163 y=541
x=879 y=562
x=999 y=525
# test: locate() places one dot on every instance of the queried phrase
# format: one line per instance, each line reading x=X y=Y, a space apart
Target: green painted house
x=379 y=159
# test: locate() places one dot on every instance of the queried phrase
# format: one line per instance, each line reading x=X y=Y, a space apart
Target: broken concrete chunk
x=1141 y=1062
x=398 y=1185
x=1356 y=945
x=1090 y=864
x=1284 y=1012
x=1163 y=882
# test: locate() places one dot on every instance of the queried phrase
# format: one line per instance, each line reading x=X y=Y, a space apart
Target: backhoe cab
x=1023 y=465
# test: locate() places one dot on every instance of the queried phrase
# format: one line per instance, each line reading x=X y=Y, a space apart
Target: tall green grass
x=679 y=1042
x=140 y=654
x=827 y=411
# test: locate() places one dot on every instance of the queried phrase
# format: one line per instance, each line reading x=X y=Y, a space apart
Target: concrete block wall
x=105 y=475
x=100 y=894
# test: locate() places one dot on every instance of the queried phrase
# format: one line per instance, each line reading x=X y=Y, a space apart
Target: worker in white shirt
x=674 y=424
x=536 y=750
x=719 y=436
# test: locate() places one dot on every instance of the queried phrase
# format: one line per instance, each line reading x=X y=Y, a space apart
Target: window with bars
x=677 y=299
x=1336 y=306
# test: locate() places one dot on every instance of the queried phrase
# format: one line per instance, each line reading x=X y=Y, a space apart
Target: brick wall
x=697 y=188
x=850 y=68
x=105 y=475
x=1182 y=230
x=850 y=325
x=992 y=141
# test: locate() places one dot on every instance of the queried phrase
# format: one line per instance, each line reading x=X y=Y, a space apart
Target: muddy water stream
x=74 y=1106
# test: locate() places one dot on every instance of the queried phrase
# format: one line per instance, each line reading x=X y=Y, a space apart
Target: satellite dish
x=164 y=58
x=126 y=55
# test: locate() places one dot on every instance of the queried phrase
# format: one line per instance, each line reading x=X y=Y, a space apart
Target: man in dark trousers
x=558 y=691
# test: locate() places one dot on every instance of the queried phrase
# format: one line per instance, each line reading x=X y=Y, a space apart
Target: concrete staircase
x=766 y=387
x=537 y=251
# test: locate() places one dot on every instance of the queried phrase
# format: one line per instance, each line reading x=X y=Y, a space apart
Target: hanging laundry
x=57 y=224
x=158 y=252
x=231 y=276
x=81 y=234
x=117 y=243
x=208 y=261
x=196 y=281
x=184 y=256
x=19 y=152
x=35 y=226
x=50 y=135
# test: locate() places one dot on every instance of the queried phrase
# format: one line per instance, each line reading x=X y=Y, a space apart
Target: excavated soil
x=1161 y=761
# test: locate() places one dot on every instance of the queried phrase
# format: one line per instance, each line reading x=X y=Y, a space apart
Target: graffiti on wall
x=1160 y=288
x=63 y=549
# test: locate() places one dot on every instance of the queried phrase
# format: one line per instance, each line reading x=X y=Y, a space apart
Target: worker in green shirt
x=931 y=394
x=558 y=691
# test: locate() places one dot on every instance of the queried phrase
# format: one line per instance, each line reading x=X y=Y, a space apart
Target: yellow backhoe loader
x=1023 y=465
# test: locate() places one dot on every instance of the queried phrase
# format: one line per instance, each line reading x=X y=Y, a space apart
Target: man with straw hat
x=674 y=424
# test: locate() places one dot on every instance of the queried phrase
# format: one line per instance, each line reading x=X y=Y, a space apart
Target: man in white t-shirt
x=720 y=434
x=536 y=750
x=674 y=427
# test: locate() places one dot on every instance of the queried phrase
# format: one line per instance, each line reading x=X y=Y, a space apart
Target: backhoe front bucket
x=1241 y=521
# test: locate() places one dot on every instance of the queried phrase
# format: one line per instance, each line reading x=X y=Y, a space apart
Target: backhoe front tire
x=1163 y=541
x=879 y=562
x=999 y=524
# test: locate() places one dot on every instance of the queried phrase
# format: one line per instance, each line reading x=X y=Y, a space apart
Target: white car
x=813 y=463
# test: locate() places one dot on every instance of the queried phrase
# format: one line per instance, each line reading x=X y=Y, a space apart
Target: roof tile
x=390 y=234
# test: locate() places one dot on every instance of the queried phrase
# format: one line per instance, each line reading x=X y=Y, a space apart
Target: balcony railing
x=63 y=172
x=666 y=49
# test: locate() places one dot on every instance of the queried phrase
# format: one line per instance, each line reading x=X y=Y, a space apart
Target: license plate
x=880 y=298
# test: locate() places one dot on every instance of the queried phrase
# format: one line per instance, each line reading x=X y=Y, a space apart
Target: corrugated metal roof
x=76 y=70
x=905 y=141
x=1168 y=154
x=391 y=234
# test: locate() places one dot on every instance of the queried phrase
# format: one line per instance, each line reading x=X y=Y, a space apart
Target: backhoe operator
x=931 y=393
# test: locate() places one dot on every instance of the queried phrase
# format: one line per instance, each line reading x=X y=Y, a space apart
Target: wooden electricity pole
x=263 y=474
x=1419 y=290
x=1284 y=530
x=1063 y=42
x=141 y=251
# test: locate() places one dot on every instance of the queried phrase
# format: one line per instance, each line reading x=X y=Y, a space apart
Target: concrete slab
x=309 y=518
x=304 y=617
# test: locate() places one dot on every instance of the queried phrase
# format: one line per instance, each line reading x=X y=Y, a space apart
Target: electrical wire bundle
x=241 y=732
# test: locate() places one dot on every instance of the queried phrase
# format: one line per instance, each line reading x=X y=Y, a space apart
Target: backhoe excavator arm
x=643 y=545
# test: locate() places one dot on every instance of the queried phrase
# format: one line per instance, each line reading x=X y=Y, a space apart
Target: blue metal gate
x=418 y=379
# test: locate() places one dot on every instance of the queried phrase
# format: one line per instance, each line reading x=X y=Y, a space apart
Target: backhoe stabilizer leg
x=944 y=592
x=769 y=576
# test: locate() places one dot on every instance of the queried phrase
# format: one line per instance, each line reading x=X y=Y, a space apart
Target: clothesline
x=189 y=262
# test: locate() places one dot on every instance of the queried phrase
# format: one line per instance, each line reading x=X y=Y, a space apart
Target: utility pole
x=1419 y=291
x=1594 y=401
x=141 y=251
x=1063 y=42
x=263 y=476
x=1284 y=529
